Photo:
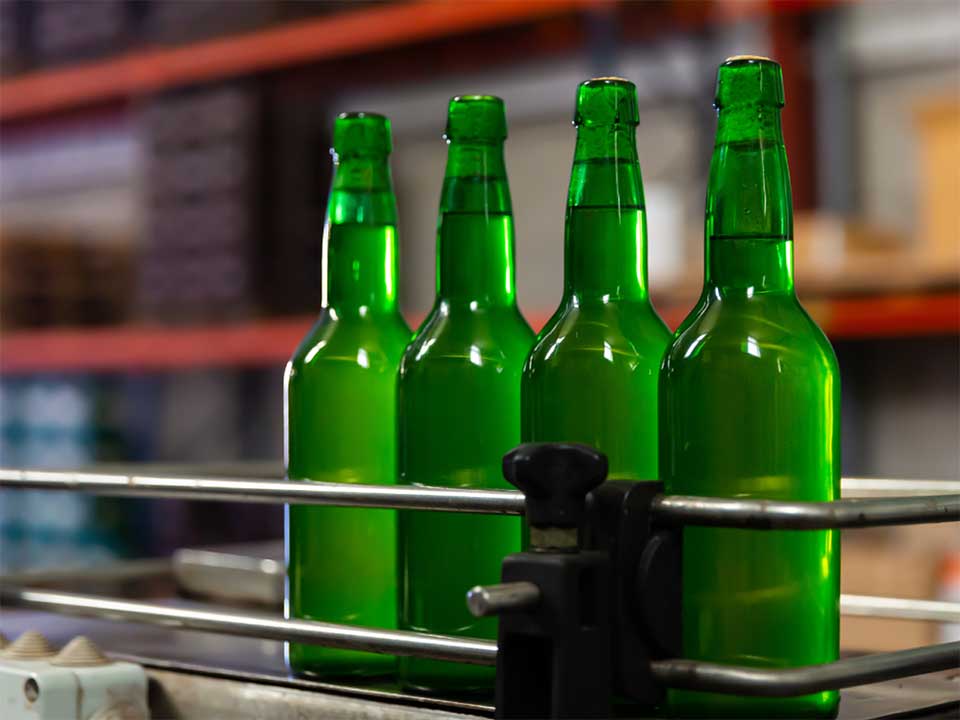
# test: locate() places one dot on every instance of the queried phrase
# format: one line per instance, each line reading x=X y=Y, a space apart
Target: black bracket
x=609 y=590
x=553 y=660
x=645 y=594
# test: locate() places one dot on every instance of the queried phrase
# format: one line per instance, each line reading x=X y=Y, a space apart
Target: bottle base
x=689 y=704
x=310 y=662
x=435 y=677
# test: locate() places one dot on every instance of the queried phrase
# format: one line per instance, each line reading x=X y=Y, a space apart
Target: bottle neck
x=475 y=247
x=359 y=238
x=749 y=216
x=605 y=245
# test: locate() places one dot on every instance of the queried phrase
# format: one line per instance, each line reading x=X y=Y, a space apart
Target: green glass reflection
x=458 y=395
x=340 y=392
x=592 y=374
x=749 y=408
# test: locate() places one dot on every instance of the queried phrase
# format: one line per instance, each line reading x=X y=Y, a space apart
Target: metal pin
x=484 y=600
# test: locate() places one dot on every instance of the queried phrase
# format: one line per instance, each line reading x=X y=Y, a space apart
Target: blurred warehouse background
x=163 y=175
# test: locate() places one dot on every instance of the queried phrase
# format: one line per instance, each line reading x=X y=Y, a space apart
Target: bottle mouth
x=361 y=133
x=749 y=80
x=746 y=58
x=362 y=115
x=476 y=118
x=604 y=101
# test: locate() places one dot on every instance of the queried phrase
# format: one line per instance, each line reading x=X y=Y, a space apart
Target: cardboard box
x=939 y=223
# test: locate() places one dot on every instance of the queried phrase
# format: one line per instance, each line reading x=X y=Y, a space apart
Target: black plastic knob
x=555 y=478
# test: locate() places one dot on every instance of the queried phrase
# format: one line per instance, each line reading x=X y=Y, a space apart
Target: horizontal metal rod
x=673 y=673
x=853 y=487
x=484 y=600
x=346 y=637
x=783 y=515
x=900 y=608
x=481 y=600
x=405 y=497
x=738 y=680
x=678 y=509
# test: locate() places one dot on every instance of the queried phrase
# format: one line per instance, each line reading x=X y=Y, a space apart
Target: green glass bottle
x=340 y=408
x=592 y=374
x=750 y=408
x=459 y=397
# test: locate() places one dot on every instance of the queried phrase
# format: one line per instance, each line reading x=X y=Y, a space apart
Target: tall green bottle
x=750 y=408
x=459 y=397
x=340 y=408
x=592 y=375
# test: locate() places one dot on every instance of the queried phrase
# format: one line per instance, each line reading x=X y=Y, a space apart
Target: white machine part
x=77 y=683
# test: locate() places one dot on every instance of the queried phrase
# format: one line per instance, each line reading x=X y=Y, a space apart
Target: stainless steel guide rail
x=267 y=490
x=900 y=608
x=774 y=514
x=695 y=675
x=669 y=510
x=267 y=627
x=674 y=673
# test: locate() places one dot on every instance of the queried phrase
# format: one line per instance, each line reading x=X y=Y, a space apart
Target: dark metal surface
x=776 y=514
x=187 y=691
x=696 y=675
x=394 y=642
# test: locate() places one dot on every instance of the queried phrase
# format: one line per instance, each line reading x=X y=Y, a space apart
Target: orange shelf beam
x=148 y=348
x=271 y=342
x=343 y=34
x=887 y=316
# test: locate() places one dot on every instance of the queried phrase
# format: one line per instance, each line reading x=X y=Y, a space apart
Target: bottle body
x=340 y=410
x=750 y=408
x=591 y=376
x=458 y=394
x=459 y=400
x=340 y=423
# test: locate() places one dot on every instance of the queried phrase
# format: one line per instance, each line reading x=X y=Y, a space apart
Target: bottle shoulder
x=773 y=327
x=380 y=338
x=494 y=333
x=628 y=329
